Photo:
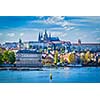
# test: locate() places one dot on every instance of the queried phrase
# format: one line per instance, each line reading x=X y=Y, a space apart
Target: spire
x=46 y=35
x=45 y=31
x=49 y=35
x=20 y=43
x=79 y=42
x=39 y=37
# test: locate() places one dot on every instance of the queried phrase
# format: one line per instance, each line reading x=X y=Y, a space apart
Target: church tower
x=20 y=44
x=45 y=36
x=79 y=42
x=49 y=35
x=79 y=45
x=39 y=37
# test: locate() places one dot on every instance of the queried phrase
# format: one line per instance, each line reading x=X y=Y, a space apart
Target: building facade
x=10 y=45
x=46 y=37
x=93 y=47
x=28 y=58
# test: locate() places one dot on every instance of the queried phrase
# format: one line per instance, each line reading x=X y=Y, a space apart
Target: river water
x=60 y=75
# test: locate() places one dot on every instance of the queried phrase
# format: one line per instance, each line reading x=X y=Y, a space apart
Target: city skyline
x=69 y=28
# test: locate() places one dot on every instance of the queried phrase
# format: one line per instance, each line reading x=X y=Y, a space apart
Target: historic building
x=28 y=58
x=93 y=47
x=47 y=37
x=10 y=45
x=43 y=41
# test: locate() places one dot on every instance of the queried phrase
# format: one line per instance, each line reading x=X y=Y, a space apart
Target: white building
x=36 y=44
x=28 y=58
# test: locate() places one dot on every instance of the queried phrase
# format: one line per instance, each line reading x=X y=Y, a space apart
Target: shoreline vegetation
x=56 y=60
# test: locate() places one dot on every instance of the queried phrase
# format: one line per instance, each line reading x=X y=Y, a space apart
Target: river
x=59 y=75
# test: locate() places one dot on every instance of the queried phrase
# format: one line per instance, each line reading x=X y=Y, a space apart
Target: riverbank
x=14 y=68
x=21 y=68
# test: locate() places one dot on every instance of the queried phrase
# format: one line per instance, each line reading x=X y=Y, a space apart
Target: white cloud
x=88 y=19
x=69 y=28
x=11 y=34
x=21 y=34
x=56 y=33
x=57 y=20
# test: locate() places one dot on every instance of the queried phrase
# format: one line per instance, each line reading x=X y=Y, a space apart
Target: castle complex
x=46 y=37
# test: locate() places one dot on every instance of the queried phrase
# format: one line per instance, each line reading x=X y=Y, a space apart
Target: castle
x=46 y=37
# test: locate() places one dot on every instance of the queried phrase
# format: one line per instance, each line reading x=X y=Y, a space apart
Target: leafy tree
x=11 y=57
x=6 y=56
x=1 y=60
x=87 y=57
x=71 y=58
x=56 y=57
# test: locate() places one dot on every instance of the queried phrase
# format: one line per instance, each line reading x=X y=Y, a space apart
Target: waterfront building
x=48 y=59
x=28 y=58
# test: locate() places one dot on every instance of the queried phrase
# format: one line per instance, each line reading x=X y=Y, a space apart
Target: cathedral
x=46 y=37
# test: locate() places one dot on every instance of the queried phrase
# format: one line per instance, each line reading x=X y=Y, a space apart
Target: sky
x=68 y=28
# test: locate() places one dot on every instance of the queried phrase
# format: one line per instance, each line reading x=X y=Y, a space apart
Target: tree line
x=7 y=57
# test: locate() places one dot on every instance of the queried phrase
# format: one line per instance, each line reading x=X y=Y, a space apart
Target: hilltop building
x=47 y=37
x=43 y=40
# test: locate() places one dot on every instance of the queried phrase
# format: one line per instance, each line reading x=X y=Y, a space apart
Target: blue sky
x=69 y=28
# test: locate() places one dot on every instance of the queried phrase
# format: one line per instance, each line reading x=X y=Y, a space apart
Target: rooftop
x=28 y=52
x=54 y=39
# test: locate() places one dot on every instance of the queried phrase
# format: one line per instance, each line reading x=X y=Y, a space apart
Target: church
x=43 y=40
x=47 y=37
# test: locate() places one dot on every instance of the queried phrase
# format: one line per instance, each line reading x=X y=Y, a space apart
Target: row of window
x=29 y=62
x=28 y=55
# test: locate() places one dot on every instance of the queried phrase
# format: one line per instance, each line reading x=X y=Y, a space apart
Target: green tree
x=11 y=57
x=56 y=57
x=1 y=60
x=6 y=56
